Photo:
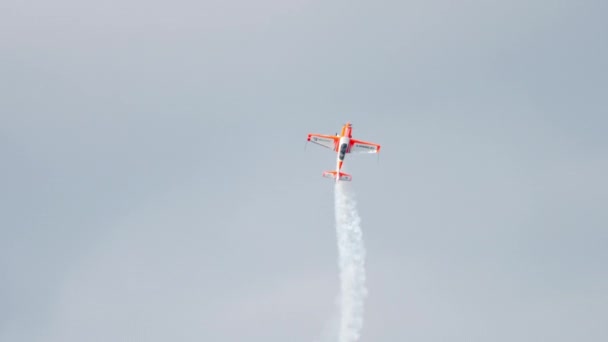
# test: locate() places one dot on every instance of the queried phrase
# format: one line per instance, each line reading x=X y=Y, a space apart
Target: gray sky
x=155 y=184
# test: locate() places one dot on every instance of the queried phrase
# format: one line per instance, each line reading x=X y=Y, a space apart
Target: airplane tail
x=338 y=175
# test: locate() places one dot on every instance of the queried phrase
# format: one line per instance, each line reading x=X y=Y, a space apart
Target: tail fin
x=340 y=175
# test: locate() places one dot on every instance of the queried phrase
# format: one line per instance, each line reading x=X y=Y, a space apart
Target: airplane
x=342 y=144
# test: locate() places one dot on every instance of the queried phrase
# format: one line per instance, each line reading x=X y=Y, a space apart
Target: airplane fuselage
x=344 y=143
x=342 y=148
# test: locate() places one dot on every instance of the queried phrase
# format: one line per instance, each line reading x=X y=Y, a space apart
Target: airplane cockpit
x=343 y=148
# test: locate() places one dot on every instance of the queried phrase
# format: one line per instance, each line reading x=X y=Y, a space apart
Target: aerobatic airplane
x=343 y=143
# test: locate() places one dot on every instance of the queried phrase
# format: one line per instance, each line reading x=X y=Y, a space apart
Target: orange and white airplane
x=342 y=144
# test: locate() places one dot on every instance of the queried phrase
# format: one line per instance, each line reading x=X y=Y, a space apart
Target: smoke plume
x=351 y=262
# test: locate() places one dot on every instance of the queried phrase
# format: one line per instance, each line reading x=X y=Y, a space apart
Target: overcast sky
x=155 y=185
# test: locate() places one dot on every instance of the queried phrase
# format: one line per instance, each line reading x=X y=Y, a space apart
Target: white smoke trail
x=351 y=253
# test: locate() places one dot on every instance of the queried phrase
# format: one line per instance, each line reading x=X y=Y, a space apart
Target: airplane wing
x=329 y=141
x=358 y=146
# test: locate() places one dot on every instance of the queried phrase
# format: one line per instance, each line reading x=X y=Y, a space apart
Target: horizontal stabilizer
x=341 y=175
